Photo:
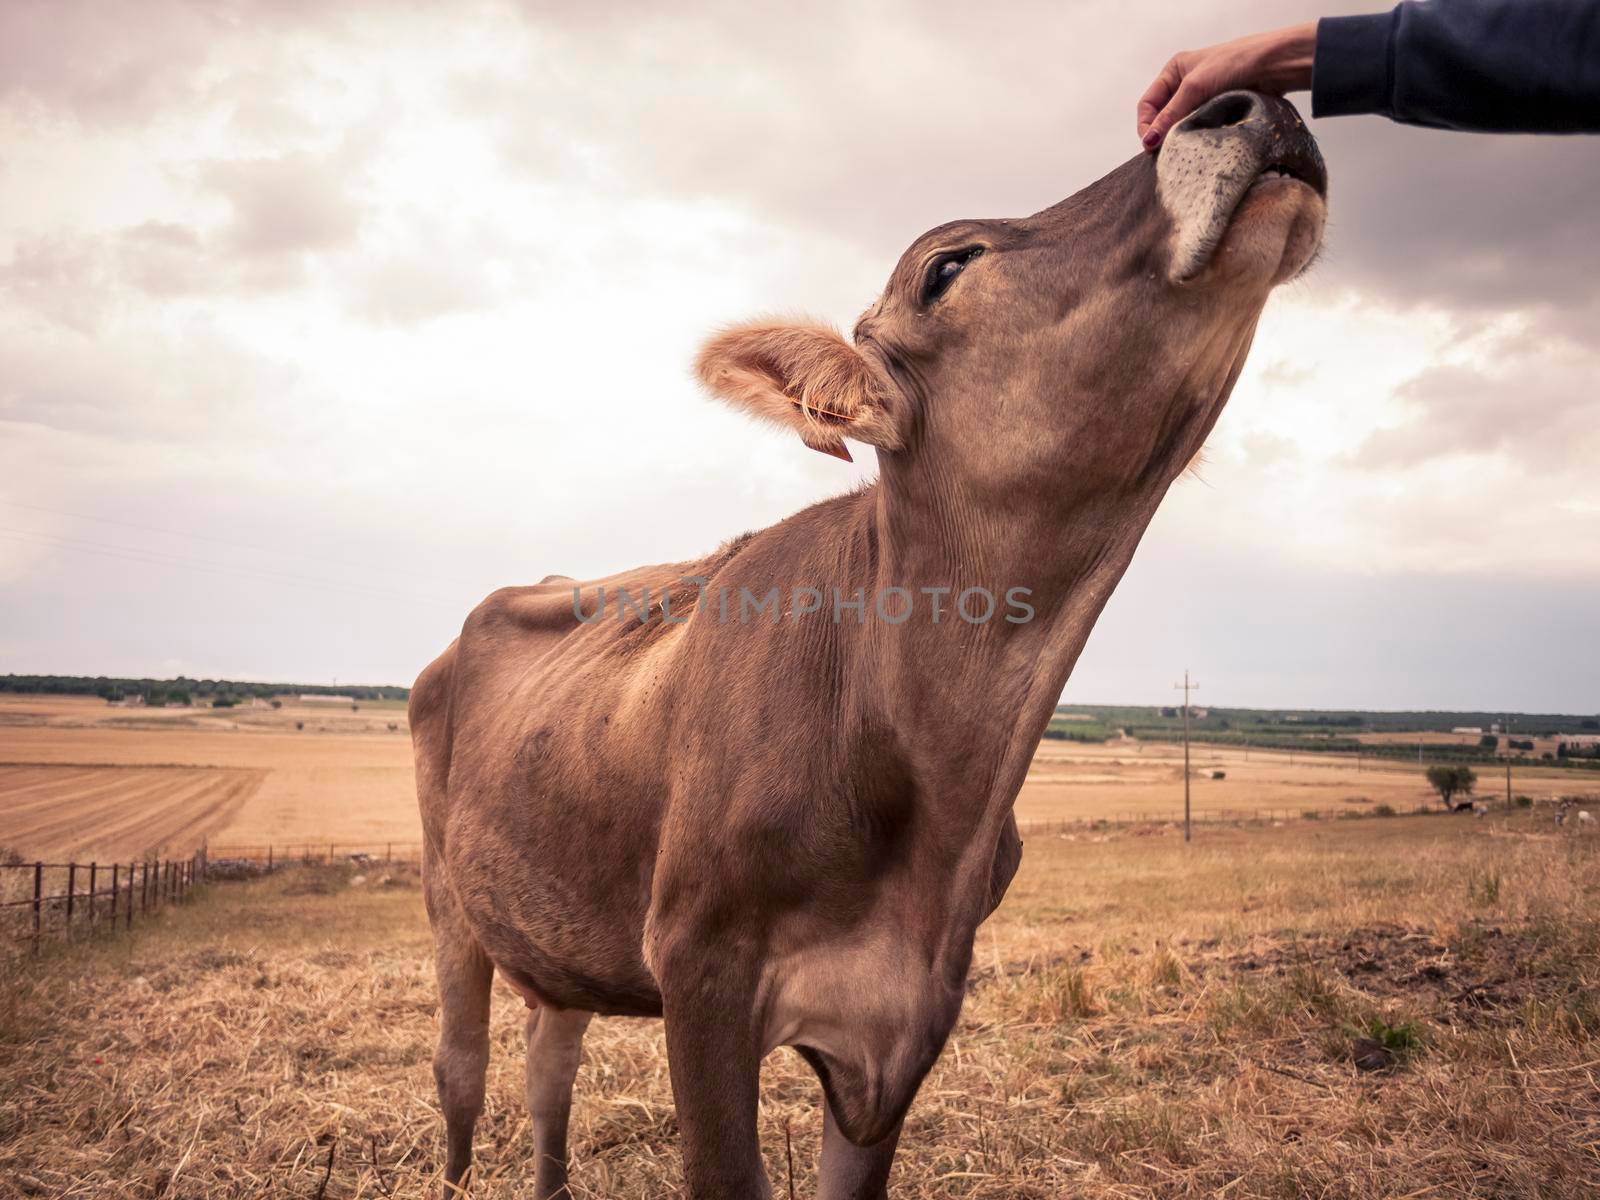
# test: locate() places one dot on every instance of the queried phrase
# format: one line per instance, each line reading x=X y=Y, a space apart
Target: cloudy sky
x=318 y=321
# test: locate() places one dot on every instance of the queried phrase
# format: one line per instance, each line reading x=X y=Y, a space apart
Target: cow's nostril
x=1230 y=108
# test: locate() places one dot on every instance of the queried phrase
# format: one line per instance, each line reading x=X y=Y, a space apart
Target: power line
x=1187 y=688
x=235 y=545
x=159 y=558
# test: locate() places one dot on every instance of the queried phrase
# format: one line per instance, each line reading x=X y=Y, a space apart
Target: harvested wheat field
x=327 y=774
x=1145 y=1019
x=321 y=772
x=1077 y=781
x=148 y=812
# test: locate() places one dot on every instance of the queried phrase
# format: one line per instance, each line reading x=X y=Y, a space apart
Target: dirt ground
x=1144 y=1020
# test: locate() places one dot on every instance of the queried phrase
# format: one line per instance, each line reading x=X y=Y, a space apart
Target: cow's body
x=786 y=831
x=732 y=765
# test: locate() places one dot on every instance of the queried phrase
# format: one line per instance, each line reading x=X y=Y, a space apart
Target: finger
x=1158 y=93
x=1191 y=94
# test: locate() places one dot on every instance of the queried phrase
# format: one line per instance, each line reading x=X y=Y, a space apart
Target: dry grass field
x=1145 y=1019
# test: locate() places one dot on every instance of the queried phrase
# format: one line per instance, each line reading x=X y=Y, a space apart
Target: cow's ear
x=803 y=376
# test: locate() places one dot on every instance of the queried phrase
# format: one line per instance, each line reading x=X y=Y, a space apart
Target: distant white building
x=1467 y=729
x=1575 y=741
x=327 y=699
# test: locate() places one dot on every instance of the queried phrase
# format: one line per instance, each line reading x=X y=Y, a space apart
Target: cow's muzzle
x=1214 y=158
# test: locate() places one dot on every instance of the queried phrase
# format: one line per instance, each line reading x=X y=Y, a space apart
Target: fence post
x=116 y=874
x=129 y=921
x=72 y=891
x=388 y=852
x=94 y=871
x=269 y=857
x=144 y=886
x=38 y=893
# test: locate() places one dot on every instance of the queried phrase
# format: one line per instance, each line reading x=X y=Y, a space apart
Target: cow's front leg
x=852 y=1172
x=714 y=1056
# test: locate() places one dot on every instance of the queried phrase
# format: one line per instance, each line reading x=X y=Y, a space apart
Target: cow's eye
x=943 y=270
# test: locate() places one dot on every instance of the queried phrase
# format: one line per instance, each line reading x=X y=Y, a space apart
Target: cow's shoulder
x=546 y=606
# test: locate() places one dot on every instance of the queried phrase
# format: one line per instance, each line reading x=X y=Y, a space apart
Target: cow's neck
x=968 y=703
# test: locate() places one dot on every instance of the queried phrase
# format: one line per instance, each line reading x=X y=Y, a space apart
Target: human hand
x=1275 y=62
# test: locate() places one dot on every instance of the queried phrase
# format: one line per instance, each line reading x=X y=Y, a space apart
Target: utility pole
x=1187 y=687
x=1505 y=723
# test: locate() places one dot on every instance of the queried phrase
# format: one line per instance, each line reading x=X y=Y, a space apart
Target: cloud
x=287 y=205
x=1478 y=223
x=101 y=67
x=183 y=389
x=1537 y=409
x=420 y=286
x=60 y=279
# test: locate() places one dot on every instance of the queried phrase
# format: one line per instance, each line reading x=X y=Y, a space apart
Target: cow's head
x=1089 y=346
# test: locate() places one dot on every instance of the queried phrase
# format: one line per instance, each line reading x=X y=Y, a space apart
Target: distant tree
x=1452 y=781
x=223 y=702
x=277 y=704
x=1489 y=741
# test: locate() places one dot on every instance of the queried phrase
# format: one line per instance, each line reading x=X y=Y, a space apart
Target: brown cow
x=781 y=827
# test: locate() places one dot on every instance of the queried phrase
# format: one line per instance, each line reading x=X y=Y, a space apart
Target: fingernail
x=1152 y=139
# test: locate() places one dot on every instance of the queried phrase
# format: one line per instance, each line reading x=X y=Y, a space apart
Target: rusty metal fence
x=42 y=900
x=1216 y=816
x=99 y=897
x=278 y=854
x=282 y=854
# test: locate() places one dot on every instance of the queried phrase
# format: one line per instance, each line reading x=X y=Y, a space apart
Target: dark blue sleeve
x=1494 y=66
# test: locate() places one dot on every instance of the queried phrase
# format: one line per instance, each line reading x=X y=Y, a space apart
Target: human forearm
x=1532 y=66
